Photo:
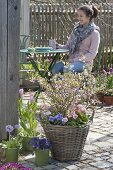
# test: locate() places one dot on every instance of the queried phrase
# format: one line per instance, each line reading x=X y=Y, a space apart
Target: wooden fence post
x=24 y=17
x=9 y=63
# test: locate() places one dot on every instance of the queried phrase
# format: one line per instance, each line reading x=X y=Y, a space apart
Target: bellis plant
x=27 y=111
x=13 y=141
x=67 y=98
x=13 y=166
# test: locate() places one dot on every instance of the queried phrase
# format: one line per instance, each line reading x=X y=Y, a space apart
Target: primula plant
x=12 y=141
x=14 y=166
x=40 y=143
x=68 y=97
x=28 y=119
x=104 y=82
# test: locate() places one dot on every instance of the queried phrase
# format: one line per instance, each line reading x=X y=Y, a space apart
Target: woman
x=83 y=43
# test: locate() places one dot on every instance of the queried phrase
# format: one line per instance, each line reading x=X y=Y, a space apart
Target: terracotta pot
x=108 y=100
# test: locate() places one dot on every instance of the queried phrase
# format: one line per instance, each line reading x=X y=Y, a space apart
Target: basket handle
x=93 y=113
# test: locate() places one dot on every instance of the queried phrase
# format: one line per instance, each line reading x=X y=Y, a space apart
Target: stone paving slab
x=98 y=150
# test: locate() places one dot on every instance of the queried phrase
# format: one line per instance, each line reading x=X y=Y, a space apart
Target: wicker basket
x=67 y=141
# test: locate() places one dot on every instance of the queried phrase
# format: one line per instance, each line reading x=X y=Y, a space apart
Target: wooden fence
x=54 y=21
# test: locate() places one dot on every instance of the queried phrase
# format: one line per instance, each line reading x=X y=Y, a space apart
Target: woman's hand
x=57 y=46
x=82 y=57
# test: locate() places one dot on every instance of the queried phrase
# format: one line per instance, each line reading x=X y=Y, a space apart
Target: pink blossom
x=21 y=92
x=89 y=94
x=50 y=60
x=72 y=113
x=104 y=71
x=45 y=107
x=81 y=108
x=75 y=116
x=108 y=73
x=47 y=113
x=32 y=97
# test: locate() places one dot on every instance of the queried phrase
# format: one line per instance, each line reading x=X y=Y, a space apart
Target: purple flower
x=58 y=117
x=40 y=143
x=9 y=128
x=17 y=126
x=111 y=70
x=51 y=118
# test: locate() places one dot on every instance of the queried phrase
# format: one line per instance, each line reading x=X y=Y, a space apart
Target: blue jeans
x=77 y=66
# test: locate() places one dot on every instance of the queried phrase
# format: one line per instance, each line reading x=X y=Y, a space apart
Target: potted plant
x=28 y=120
x=41 y=148
x=65 y=120
x=12 y=144
x=104 y=84
x=108 y=97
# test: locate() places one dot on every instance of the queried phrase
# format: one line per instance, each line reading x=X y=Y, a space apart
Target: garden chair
x=24 y=43
x=25 y=66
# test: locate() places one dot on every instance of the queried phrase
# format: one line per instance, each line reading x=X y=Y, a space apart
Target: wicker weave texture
x=67 y=141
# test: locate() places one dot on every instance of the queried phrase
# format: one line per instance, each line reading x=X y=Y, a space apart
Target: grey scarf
x=79 y=34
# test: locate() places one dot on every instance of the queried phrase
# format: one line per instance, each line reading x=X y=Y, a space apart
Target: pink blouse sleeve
x=67 y=45
x=95 y=41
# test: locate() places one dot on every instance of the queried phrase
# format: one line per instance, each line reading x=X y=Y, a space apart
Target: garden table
x=34 y=57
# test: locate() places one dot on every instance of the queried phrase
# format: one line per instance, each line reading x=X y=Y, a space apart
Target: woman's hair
x=90 y=11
